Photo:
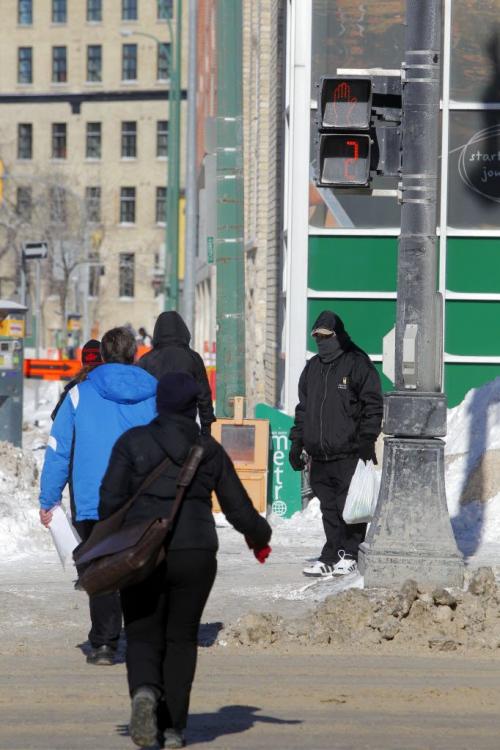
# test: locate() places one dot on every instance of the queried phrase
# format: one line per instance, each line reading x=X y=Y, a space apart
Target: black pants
x=105 y=609
x=162 y=616
x=330 y=482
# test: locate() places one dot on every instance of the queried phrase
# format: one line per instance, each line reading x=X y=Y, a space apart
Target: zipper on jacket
x=321 y=412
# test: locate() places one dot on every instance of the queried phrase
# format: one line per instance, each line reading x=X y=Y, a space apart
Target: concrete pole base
x=411 y=535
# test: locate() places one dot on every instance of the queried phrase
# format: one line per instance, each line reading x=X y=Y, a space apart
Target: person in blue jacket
x=115 y=397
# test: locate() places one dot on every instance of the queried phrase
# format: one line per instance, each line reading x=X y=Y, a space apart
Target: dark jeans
x=162 y=616
x=330 y=483
x=105 y=609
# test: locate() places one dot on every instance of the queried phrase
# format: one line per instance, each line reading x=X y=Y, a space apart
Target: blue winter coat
x=94 y=414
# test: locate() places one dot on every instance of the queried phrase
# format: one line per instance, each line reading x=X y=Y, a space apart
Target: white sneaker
x=319 y=569
x=345 y=565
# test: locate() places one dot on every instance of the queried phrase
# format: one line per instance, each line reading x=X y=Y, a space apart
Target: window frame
x=24 y=208
x=163 y=60
x=161 y=205
x=59 y=8
x=21 y=139
x=93 y=137
x=91 y=10
x=169 y=10
x=130 y=7
x=94 y=65
x=128 y=205
x=59 y=64
x=22 y=62
x=160 y=135
x=126 y=268
x=128 y=139
x=93 y=207
x=59 y=141
x=129 y=60
x=21 y=11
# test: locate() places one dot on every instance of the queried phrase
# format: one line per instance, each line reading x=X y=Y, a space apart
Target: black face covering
x=329 y=349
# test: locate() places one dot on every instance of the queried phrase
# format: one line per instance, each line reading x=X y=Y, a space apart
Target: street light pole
x=411 y=535
x=171 y=271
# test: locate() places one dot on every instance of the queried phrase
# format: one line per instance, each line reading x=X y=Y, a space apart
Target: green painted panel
x=353 y=263
x=460 y=378
x=473 y=264
x=473 y=328
x=366 y=320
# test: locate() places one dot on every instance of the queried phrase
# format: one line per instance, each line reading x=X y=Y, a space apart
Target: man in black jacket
x=337 y=421
x=171 y=353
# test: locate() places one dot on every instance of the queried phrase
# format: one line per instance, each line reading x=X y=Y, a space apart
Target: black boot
x=102 y=655
x=173 y=738
x=143 y=726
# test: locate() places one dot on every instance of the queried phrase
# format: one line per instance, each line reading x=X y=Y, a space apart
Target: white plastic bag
x=363 y=492
x=64 y=535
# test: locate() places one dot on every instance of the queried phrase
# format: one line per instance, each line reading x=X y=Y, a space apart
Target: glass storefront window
x=475 y=51
x=474 y=170
x=354 y=35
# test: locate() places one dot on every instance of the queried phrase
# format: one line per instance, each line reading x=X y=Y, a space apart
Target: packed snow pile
x=20 y=529
x=415 y=617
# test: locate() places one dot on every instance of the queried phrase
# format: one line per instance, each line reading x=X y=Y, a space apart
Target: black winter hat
x=177 y=393
x=91 y=353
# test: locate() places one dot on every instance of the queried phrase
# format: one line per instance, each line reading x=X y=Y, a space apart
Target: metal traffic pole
x=411 y=534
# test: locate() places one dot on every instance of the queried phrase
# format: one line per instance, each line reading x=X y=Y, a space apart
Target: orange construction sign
x=52 y=369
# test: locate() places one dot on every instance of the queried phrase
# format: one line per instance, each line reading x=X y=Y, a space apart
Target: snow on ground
x=473 y=428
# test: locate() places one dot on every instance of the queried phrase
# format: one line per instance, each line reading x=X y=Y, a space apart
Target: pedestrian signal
x=344 y=159
x=345 y=103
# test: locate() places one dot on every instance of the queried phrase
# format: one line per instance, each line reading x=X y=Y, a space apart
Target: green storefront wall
x=369 y=264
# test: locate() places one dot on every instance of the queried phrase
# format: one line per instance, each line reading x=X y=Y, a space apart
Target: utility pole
x=411 y=535
x=172 y=274
x=191 y=181
x=229 y=244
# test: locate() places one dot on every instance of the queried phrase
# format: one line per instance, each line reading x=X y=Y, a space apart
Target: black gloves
x=295 y=457
x=367 y=452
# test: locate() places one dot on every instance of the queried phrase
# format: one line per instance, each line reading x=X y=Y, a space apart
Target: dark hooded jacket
x=171 y=353
x=340 y=402
x=140 y=450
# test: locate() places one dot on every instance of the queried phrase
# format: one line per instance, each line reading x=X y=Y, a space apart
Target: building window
x=57 y=203
x=25 y=65
x=129 y=140
x=94 y=62
x=161 y=205
x=59 y=65
x=163 y=61
x=165 y=9
x=127 y=205
x=25 y=140
x=94 y=10
x=24 y=203
x=59 y=140
x=127 y=275
x=93 y=204
x=59 y=11
x=162 y=138
x=93 y=140
x=96 y=269
x=25 y=12
x=129 y=62
x=129 y=10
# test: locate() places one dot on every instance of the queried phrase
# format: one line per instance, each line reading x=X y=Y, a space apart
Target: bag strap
x=186 y=474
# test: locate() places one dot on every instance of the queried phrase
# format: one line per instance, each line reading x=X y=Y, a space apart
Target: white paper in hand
x=363 y=492
x=64 y=536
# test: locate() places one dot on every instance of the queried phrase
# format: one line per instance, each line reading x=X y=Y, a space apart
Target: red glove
x=261 y=553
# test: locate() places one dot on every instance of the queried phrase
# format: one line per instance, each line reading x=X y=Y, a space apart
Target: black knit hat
x=177 y=393
x=91 y=353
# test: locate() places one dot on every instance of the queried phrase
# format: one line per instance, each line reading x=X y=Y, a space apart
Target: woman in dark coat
x=163 y=613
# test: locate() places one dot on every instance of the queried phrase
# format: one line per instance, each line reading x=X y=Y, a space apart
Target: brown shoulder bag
x=117 y=556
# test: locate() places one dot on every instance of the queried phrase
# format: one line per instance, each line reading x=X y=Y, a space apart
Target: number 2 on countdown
x=353 y=158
